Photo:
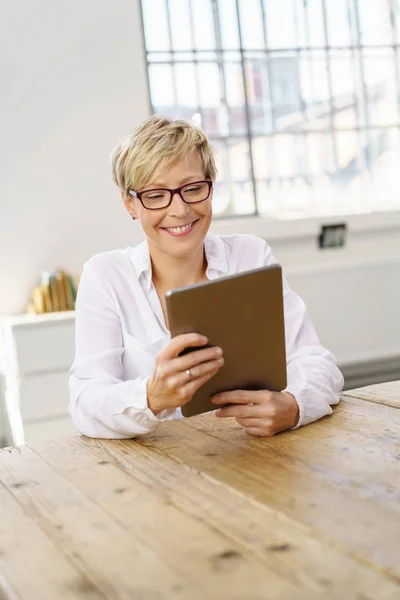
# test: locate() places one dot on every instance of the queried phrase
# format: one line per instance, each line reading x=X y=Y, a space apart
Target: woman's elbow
x=83 y=425
x=93 y=427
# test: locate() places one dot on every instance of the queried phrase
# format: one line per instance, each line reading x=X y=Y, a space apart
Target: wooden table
x=201 y=510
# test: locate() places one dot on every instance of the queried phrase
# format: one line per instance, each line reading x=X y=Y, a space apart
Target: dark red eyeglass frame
x=172 y=192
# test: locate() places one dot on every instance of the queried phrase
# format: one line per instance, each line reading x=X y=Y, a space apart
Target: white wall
x=75 y=82
x=72 y=84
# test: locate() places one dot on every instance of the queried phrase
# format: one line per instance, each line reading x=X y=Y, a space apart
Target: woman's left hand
x=261 y=413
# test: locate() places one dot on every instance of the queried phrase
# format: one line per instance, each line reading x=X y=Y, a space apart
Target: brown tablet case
x=243 y=314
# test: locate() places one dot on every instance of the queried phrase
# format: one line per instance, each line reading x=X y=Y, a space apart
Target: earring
x=134 y=218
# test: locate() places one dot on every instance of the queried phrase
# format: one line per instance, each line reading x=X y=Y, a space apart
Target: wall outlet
x=333 y=236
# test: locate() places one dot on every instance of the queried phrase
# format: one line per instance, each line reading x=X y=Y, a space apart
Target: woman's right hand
x=171 y=385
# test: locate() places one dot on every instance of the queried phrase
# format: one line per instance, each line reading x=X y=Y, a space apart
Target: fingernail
x=221 y=360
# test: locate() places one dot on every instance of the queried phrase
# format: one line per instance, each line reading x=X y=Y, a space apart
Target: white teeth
x=179 y=229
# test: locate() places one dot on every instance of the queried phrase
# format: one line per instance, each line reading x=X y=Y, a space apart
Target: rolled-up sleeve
x=101 y=403
x=313 y=377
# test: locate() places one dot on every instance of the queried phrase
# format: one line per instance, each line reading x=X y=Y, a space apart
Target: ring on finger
x=189 y=373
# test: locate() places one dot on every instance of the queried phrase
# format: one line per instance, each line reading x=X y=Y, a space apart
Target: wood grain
x=384 y=393
x=337 y=477
x=202 y=554
x=200 y=509
x=115 y=562
x=278 y=541
x=31 y=564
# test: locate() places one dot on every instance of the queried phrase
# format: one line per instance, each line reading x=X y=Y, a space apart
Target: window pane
x=214 y=114
x=258 y=95
x=396 y=14
x=222 y=199
x=315 y=23
x=345 y=101
x=181 y=33
x=280 y=188
x=263 y=158
x=243 y=198
x=228 y=24
x=338 y=24
x=251 y=24
x=285 y=89
x=281 y=19
x=209 y=80
x=322 y=170
x=320 y=155
x=322 y=120
x=220 y=148
x=235 y=98
x=186 y=89
x=267 y=198
x=348 y=179
x=374 y=22
x=381 y=89
x=347 y=116
x=384 y=164
x=349 y=163
x=313 y=69
x=156 y=30
x=239 y=160
x=234 y=195
x=290 y=154
x=294 y=195
x=161 y=86
x=203 y=24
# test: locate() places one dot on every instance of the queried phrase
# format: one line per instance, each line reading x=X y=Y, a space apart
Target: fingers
x=244 y=411
x=181 y=378
x=180 y=342
x=241 y=397
x=193 y=361
x=170 y=385
x=190 y=361
x=257 y=432
x=258 y=427
x=205 y=368
x=252 y=422
x=195 y=384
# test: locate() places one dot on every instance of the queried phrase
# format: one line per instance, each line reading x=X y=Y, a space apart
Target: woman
x=127 y=375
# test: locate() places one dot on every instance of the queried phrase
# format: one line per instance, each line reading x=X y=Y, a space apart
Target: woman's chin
x=181 y=250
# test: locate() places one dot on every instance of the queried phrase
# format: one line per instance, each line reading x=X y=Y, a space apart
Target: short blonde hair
x=154 y=147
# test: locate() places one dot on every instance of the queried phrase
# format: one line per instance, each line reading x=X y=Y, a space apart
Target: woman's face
x=158 y=225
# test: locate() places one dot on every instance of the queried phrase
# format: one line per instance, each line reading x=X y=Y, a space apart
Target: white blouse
x=120 y=329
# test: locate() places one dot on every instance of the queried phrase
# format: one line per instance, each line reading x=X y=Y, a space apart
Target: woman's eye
x=193 y=189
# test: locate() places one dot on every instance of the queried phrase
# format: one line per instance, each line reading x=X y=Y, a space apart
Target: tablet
x=242 y=314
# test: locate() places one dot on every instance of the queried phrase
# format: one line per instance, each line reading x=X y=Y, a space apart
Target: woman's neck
x=171 y=272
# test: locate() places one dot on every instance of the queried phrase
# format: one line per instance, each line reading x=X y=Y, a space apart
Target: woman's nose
x=178 y=207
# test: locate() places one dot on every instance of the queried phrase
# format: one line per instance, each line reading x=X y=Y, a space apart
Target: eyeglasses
x=191 y=193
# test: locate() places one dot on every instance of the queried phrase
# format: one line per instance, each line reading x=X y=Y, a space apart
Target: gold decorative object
x=56 y=292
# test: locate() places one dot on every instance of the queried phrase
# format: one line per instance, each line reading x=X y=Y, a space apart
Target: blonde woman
x=127 y=375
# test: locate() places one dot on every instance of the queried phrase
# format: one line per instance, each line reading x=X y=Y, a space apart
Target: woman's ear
x=128 y=202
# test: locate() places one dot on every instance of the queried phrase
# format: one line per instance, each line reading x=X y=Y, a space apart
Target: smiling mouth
x=182 y=230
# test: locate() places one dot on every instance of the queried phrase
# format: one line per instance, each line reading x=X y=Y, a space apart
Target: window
x=300 y=98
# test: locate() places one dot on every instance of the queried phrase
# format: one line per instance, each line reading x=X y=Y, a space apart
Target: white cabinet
x=36 y=353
